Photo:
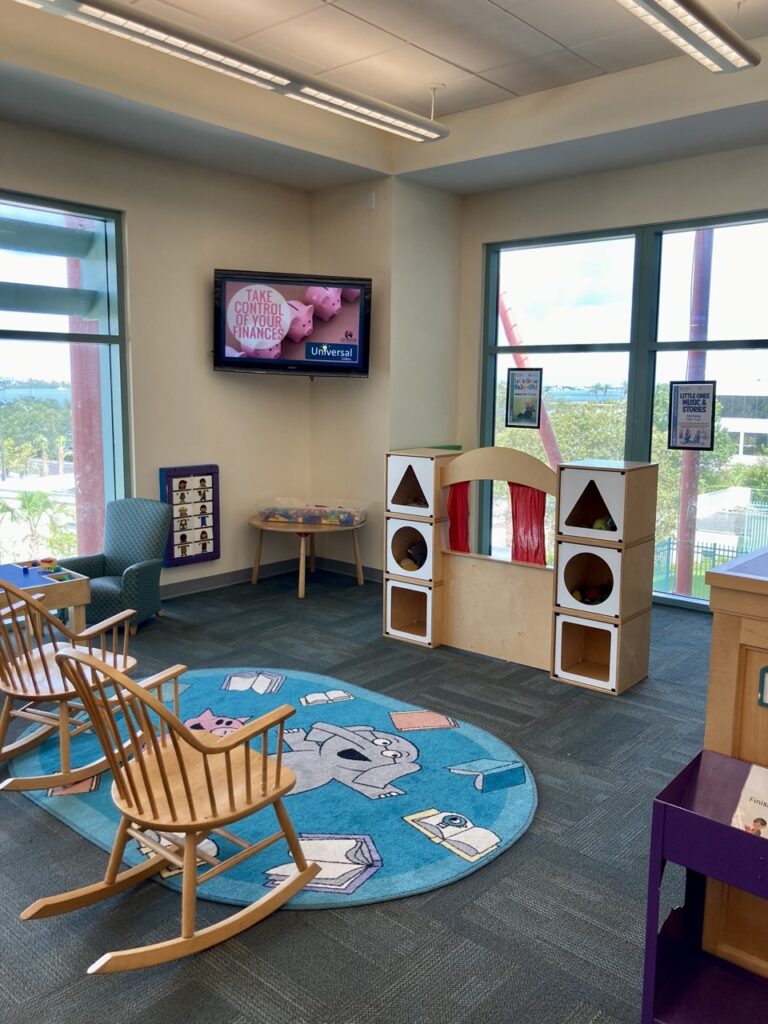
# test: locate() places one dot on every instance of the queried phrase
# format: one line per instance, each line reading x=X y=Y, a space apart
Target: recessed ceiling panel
x=326 y=36
x=546 y=72
x=627 y=50
x=496 y=39
x=468 y=93
x=575 y=21
x=411 y=20
x=399 y=76
x=226 y=19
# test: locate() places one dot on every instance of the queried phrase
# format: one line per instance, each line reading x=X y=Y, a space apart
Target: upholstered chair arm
x=86 y=565
x=140 y=586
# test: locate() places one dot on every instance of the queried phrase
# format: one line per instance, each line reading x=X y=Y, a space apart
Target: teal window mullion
x=642 y=354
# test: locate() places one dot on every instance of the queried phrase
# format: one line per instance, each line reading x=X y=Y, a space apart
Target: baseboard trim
x=288 y=565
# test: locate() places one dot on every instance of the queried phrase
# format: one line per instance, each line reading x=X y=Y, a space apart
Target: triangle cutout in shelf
x=409 y=492
x=591 y=509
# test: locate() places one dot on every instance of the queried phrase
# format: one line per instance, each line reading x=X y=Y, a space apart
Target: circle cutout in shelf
x=588 y=579
x=409 y=548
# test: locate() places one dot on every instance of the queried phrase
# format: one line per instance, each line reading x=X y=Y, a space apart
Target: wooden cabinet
x=604 y=573
x=736 y=922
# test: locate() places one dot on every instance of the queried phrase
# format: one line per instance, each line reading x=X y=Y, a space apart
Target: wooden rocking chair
x=178 y=787
x=33 y=685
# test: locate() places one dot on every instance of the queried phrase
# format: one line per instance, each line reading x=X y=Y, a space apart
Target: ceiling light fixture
x=216 y=58
x=689 y=25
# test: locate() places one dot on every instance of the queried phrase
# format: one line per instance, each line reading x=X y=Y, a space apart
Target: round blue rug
x=391 y=799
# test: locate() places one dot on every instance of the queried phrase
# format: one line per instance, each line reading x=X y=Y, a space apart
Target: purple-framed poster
x=193 y=494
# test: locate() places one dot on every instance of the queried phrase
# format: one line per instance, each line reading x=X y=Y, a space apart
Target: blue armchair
x=127 y=574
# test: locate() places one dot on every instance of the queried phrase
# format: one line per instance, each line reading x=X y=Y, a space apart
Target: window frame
x=642 y=347
x=118 y=430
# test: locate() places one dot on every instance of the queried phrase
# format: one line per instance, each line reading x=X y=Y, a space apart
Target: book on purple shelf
x=751 y=814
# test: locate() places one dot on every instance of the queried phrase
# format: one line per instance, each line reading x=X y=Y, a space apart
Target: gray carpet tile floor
x=551 y=932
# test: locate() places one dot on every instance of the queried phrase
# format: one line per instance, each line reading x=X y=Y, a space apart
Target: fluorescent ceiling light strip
x=697 y=32
x=354 y=117
x=196 y=52
x=377 y=115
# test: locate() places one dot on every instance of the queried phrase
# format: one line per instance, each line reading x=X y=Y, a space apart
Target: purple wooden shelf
x=691 y=826
x=702 y=989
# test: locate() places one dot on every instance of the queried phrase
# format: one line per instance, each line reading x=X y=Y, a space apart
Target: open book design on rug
x=324 y=697
x=346 y=862
x=257 y=680
x=491 y=774
x=456 y=832
x=751 y=814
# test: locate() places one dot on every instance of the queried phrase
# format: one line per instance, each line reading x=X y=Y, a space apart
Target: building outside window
x=613 y=319
x=62 y=349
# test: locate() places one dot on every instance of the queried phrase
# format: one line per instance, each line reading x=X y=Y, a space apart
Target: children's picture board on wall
x=193 y=494
x=692 y=415
x=523 y=398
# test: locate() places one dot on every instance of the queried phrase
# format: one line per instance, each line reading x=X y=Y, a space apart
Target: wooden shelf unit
x=415 y=514
x=604 y=573
x=736 y=922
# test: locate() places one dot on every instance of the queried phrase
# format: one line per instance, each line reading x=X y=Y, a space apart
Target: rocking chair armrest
x=167 y=674
x=104 y=625
x=247 y=732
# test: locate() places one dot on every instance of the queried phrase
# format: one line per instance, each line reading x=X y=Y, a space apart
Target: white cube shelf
x=412 y=485
x=402 y=534
x=583 y=570
x=588 y=497
x=586 y=652
x=409 y=612
x=607 y=501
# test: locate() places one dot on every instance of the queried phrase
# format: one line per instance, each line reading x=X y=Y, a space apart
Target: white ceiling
x=483 y=52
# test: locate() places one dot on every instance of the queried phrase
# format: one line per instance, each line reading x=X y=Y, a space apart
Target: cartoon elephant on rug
x=358 y=756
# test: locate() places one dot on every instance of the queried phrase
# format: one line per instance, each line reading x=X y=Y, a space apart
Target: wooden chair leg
x=5 y=719
x=189 y=886
x=64 y=748
x=290 y=834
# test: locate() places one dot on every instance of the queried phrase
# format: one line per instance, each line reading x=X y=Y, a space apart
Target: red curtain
x=528 y=506
x=458 y=516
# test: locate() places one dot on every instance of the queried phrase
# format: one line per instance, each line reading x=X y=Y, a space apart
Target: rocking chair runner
x=34 y=688
x=178 y=787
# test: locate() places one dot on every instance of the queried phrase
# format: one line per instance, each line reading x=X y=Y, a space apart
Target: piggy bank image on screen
x=302 y=323
x=327 y=301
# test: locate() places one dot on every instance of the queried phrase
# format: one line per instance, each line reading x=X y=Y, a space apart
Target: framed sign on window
x=523 y=398
x=692 y=415
x=193 y=494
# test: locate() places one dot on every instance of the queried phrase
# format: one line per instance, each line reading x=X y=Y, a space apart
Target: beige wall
x=425 y=281
x=349 y=433
x=182 y=221
x=721 y=183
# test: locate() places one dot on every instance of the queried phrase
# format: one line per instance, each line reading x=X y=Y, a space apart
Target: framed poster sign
x=523 y=398
x=193 y=494
x=692 y=415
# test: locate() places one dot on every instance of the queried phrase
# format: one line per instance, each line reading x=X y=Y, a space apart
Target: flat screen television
x=291 y=323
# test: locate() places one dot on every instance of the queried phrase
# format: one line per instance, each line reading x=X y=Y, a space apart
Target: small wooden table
x=73 y=593
x=302 y=531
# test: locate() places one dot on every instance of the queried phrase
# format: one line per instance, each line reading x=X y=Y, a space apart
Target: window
x=611 y=320
x=61 y=367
